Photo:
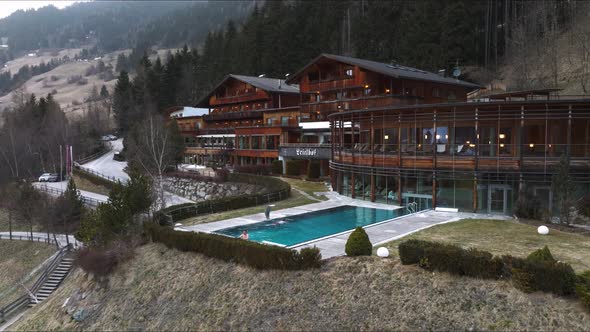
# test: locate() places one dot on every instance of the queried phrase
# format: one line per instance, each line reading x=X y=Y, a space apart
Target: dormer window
x=348 y=72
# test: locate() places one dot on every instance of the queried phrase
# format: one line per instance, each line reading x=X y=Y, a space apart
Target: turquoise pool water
x=314 y=225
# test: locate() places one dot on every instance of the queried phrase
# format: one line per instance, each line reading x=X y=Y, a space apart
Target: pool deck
x=335 y=200
x=392 y=230
x=333 y=246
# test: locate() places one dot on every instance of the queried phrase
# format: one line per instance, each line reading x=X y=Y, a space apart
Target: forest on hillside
x=280 y=37
x=113 y=25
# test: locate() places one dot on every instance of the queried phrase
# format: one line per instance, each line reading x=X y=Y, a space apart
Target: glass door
x=498 y=199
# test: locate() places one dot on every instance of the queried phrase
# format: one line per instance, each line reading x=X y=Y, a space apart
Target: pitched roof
x=392 y=70
x=265 y=83
x=268 y=84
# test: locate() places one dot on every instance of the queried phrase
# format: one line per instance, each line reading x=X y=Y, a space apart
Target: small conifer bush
x=358 y=243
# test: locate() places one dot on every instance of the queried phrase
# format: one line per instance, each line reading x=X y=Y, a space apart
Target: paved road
x=110 y=167
x=107 y=165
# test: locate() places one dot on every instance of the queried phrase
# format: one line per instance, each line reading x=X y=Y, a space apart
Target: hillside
x=162 y=289
x=62 y=81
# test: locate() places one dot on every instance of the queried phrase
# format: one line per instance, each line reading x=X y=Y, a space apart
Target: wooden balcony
x=332 y=106
x=230 y=116
x=253 y=96
x=333 y=84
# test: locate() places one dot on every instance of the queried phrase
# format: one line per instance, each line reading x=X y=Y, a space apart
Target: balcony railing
x=331 y=106
x=306 y=145
x=239 y=99
x=332 y=84
x=214 y=131
x=240 y=115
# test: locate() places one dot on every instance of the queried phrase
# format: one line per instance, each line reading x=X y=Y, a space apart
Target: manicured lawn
x=296 y=199
x=309 y=187
x=18 y=259
x=507 y=237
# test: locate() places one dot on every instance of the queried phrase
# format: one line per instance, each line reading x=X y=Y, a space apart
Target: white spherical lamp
x=382 y=252
x=543 y=230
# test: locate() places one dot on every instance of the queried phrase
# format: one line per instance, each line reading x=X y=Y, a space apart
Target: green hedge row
x=277 y=167
x=583 y=288
x=256 y=255
x=450 y=258
x=313 y=169
x=293 y=167
x=539 y=271
x=277 y=190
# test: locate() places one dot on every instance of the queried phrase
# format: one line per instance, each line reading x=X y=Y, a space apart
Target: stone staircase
x=55 y=279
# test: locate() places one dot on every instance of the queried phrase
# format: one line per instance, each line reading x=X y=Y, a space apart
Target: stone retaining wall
x=200 y=191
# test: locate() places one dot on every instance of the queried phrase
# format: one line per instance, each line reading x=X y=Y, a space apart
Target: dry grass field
x=18 y=259
x=508 y=237
x=162 y=289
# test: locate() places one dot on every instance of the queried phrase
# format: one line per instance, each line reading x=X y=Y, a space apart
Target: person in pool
x=244 y=235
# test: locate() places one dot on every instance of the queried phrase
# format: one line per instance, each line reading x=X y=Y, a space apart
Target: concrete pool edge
x=351 y=230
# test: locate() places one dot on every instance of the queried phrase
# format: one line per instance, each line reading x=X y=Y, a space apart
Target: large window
x=272 y=142
x=580 y=138
x=257 y=142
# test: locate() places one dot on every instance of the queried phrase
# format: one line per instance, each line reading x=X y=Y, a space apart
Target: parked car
x=49 y=177
x=118 y=156
x=112 y=137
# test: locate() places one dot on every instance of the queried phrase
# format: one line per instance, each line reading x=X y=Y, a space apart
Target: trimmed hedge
x=254 y=169
x=277 y=167
x=277 y=190
x=256 y=255
x=358 y=243
x=583 y=288
x=313 y=169
x=293 y=167
x=449 y=258
x=539 y=271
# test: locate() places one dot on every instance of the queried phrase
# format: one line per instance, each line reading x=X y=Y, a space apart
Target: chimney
x=442 y=72
x=279 y=84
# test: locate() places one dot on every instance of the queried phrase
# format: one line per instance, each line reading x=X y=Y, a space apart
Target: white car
x=112 y=137
x=48 y=177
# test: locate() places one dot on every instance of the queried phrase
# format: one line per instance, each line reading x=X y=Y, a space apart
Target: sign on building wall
x=323 y=153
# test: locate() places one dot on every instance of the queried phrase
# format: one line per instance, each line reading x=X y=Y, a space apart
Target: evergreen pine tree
x=122 y=101
x=563 y=188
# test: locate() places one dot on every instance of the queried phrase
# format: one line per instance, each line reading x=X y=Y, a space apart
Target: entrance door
x=498 y=199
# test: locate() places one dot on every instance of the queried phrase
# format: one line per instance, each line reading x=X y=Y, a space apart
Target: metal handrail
x=92 y=202
x=29 y=238
x=100 y=174
x=24 y=300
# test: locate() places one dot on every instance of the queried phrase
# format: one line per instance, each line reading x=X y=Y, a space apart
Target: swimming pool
x=313 y=225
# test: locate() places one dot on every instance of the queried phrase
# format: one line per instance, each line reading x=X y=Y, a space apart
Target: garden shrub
x=313 y=169
x=528 y=206
x=293 y=167
x=311 y=258
x=412 y=251
x=256 y=255
x=101 y=261
x=358 y=243
x=583 y=288
x=254 y=169
x=540 y=271
x=451 y=258
x=541 y=255
x=277 y=167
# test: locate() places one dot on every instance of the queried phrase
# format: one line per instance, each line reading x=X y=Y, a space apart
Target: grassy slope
x=308 y=187
x=17 y=260
x=347 y=294
x=84 y=184
x=508 y=237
